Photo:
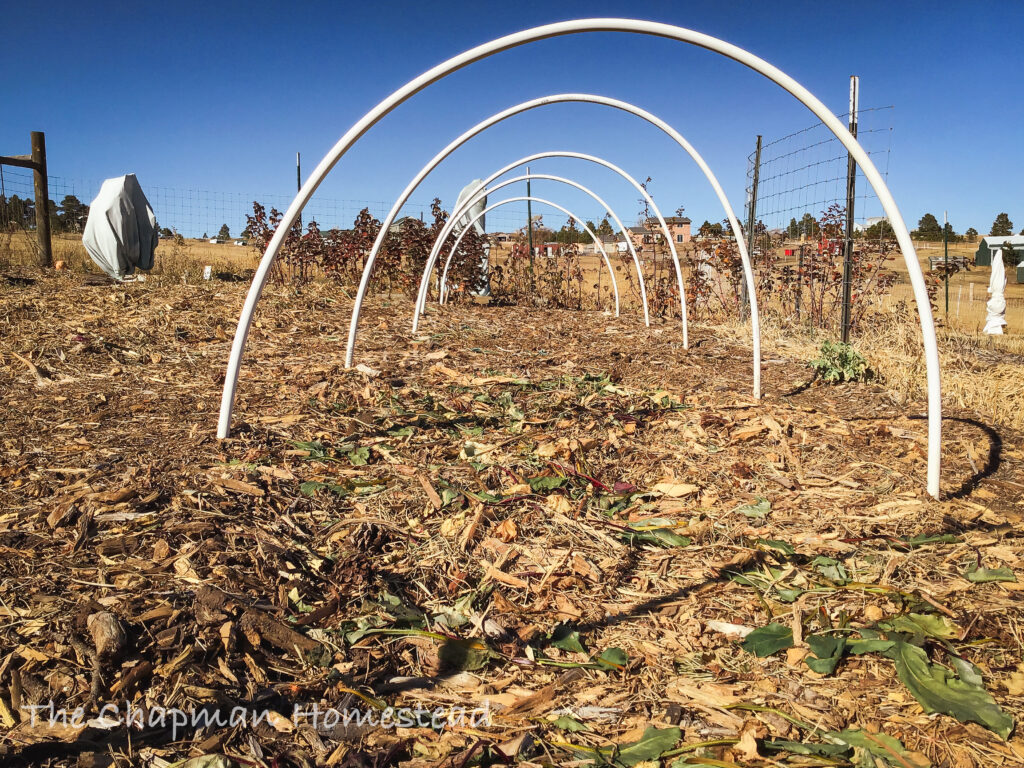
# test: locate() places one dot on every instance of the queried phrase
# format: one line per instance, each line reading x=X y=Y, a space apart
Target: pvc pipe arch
x=481 y=193
x=635 y=26
x=532 y=198
x=632 y=109
x=442 y=292
x=612 y=167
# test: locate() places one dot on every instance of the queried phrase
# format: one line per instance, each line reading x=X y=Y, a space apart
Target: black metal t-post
x=945 y=250
x=751 y=224
x=851 y=191
x=529 y=231
x=298 y=181
x=799 y=280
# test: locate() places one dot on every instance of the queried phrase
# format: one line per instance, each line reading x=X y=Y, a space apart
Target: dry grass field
x=966 y=305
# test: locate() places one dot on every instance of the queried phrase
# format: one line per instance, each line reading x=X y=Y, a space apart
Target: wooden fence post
x=42 y=199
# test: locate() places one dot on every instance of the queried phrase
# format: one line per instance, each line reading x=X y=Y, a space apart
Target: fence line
x=193 y=212
x=804 y=172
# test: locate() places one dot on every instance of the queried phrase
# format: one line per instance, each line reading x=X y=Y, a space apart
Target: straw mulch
x=563 y=516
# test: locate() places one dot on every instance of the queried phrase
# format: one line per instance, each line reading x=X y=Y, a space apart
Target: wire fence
x=801 y=175
x=797 y=198
x=194 y=212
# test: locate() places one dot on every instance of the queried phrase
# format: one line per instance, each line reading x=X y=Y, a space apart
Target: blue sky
x=220 y=96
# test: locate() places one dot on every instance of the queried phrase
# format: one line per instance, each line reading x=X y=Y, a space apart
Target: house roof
x=397 y=225
x=677 y=220
x=1011 y=240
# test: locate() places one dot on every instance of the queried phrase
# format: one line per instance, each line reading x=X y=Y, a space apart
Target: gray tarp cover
x=121 y=233
x=467 y=192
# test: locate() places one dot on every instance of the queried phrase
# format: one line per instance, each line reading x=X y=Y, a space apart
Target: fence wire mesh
x=804 y=173
x=797 y=188
x=195 y=212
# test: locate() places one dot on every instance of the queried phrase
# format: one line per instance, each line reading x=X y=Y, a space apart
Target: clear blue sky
x=220 y=96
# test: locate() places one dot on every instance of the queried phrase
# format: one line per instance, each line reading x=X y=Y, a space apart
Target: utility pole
x=945 y=249
x=751 y=223
x=851 y=191
x=529 y=230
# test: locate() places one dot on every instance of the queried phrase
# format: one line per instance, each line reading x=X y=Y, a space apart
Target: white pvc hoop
x=532 y=198
x=612 y=167
x=442 y=289
x=748 y=273
x=892 y=212
x=481 y=193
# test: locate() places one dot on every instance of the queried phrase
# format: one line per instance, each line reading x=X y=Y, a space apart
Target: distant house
x=611 y=244
x=1012 y=247
x=869 y=222
x=400 y=224
x=679 y=227
x=641 y=236
x=651 y=231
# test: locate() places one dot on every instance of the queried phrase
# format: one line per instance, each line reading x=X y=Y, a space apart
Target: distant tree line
x=570 y=232
x=928 y=228
x=20 y=213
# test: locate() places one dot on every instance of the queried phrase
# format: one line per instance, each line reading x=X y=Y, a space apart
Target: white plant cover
x=121 y=232
x=467 y=192
x=996 y=306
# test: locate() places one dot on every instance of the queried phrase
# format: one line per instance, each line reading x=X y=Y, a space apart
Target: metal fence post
x=851 y=191
x=529 y=235
x=751 y=224
x=799 y=280
x=945 y=250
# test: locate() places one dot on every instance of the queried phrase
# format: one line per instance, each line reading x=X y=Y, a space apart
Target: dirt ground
x=561 y=517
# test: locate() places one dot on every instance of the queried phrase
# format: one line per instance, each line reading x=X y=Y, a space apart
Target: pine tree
x=808 y=225
x=928 y=228
x=793 y=230
x=1002 y=226
x=225 y=233
x=72 y=214
x=879 y=230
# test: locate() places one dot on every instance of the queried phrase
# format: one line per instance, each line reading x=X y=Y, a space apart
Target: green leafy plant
x=936 y=688
x=652 y=744
x=838 y=361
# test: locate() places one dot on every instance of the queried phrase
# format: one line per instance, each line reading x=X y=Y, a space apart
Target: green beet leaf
x=828 y=649
x=879 y=745
x=937 y=691
x=985 y=575
x=765 y=641
x=651 y=745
